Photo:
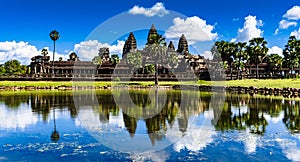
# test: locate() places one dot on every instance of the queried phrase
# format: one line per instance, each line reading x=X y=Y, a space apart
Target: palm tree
x=44 y=52
x=291 y=53
x=275 y=62
x=227 y=51
x=240 y=55
x=54 y=35
x=155 y=51
x=257 y=50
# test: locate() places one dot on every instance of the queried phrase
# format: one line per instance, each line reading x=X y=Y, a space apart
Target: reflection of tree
x=130 y=124
x=253 y=119
x=291 y=117
x=14 y=101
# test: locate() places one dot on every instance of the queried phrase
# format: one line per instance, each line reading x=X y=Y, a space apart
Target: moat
x=147 y=125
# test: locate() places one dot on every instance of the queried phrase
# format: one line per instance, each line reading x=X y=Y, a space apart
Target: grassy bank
x=270 y=83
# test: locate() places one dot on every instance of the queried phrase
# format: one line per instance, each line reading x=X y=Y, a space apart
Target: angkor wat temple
x=186 y=66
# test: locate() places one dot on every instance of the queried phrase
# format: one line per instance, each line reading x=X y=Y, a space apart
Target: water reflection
x=248 y=120
x=239 y=112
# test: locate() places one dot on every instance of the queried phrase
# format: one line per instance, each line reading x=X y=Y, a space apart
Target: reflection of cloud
x=273 y=119
x=117 y=121
x=250 y=142
x=21 y=117
x=88 y=118
x=289 y=148
x=153 y=156
x=197 y=137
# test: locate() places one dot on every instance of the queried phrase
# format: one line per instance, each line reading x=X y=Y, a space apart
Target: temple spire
x=183 y=46
x=130 y=44
x=171 y=46
x=152 y=35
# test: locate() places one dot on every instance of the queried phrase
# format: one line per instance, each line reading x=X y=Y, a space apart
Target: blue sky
x=26 y=24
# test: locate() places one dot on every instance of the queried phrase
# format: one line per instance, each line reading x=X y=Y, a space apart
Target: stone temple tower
x=152 y=35
x=171 y=46
x=130 y=44
x=183 y=46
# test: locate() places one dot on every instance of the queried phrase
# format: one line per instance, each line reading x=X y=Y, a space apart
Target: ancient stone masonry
x=171 y=46
x=152 y=35
x=156 y=52
x=183 y=46
x=130 y=44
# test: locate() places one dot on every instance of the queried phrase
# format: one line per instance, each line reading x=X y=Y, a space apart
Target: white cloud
x=296 y=33
x=87 y=50
x=157 y=10
x=194 y=28
x=21 y=51
x=207 y=55
x=250 y=29
x=293 y=13
x=283 y=24
x=275 y=49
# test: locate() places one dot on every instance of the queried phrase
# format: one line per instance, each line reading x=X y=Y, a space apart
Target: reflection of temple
x=186 y=62
x=239 y=113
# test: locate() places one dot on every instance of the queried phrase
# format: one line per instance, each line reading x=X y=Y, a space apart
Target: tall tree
x=156 y=49
x=227 y=50
x=257 y=50
x=274 y=62
x=240 y=56
x=291 y=53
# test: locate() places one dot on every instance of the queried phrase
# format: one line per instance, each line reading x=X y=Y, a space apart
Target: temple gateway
x=172 y=64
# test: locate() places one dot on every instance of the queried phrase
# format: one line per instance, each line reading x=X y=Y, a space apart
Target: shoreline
x=286 y=92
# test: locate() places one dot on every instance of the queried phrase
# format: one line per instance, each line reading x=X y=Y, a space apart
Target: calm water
x=140 y=125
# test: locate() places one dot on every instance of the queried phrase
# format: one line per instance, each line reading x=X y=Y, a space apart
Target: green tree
x=173 y=60
x=227 y=50
x=275 y=62
x=134 y=60
x=156 y=49
x=257 y=50
x=44 y=52
x=115 y=59
x=14 y=67
x=2 y=69
x=149 y=69
x=291 y=53
x=97 y=60
x=240 y=56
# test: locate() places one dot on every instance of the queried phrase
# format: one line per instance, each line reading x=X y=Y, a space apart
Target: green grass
x=270 y=83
